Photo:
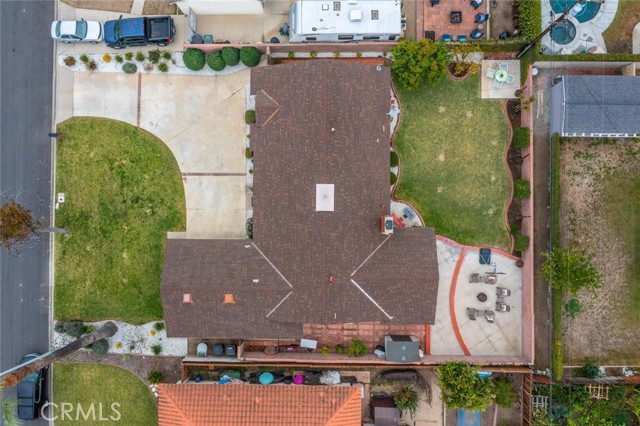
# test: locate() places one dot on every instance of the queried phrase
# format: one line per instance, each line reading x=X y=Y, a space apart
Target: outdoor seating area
x=455 y=20
x=500 y=79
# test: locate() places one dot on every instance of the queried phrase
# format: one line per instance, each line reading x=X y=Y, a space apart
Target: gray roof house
x=596 y=106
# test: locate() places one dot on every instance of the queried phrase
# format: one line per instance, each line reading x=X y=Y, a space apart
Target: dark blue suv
x=158 y=30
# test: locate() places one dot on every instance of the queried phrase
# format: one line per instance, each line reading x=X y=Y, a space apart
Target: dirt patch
x=593 y=217
x=618 y=36
x=159 y=7
x=501 y=18
x=123 y=6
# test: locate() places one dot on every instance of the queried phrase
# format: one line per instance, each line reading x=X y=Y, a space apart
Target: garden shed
x=384 y=412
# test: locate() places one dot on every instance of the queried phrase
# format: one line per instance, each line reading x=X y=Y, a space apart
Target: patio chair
x=510 y=79
x=504 y=66
x=471 y=312
x=476 y=3
x=207 y=39
x=485 y=256
x=501 y=307
x=496 y=84
x=462 y=38
x=490 y=316
x=492 y=279
x=476 y=34
x=434 y=2
x=481 y=17
x=446 y=37
x=501 y=291
x=476 y=278
x=201 y=349
x=491 y=72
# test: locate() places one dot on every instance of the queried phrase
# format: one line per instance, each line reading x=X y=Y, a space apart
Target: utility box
x=401 y=348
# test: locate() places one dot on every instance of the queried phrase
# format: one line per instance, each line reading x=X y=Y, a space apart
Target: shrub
x=89 y=329
x=248 y=153
x=154 y=56
x=69 y=61
x=406 y=399
x=129 y=68
x=106 y=58
x=250 y=116
x=100 y=347
x=336 y=54
x=250 y=228
x=72 y=328
x=573 y=307
x=119 y=59
x=359 y=55
x=231 y=55
x=393 y=178
x=166 y=55
x=325 y=350
x=521 y=137
x=159 y=326
x=530 y=18
x=394 y=159
x=128 y=56
x=590 y=371
x=163 y=67
x=215 y=61
x=339 y=349
x=462 y=387
x=522 y=190
x=250 y=171
x=250 y=56
x=139 y=56
x=521 y=243
x=313 y=53
x=415 y=62
x=193 y=59
x=357 y=348
x=155 y=377
x=156 y=349
x=92 y=65
x=84 y=58
x=505 y=395
x=291 y=55
x=132 y=346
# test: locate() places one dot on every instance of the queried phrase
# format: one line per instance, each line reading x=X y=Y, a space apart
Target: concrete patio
x=506 y=91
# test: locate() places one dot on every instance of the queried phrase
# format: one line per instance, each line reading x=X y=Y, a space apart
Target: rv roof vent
x=355 y=15
x=325 y=6
x=374 y=15
x=336 y=6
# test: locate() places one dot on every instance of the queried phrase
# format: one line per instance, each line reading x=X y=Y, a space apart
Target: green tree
x=463 y=388
x=570 y=270
x=415 y=62
x=406 y=399
x=632 y=401
x=505 y=395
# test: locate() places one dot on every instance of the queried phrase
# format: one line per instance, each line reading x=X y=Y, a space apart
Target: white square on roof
x=324 y=197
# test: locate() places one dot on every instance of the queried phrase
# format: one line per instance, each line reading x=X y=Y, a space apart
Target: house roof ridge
x=274 y=112
x=370 y=255
x=272 y=265
x=371 y=299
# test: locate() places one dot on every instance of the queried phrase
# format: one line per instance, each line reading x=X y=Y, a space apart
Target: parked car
x=158 y=30
x=77 y=31
x=31 y=392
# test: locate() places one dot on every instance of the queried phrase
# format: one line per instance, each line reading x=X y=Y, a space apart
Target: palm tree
x=8 y=410
x=13 y=377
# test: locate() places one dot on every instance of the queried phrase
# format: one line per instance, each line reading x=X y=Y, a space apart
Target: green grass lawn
x=451 y=146
x=87 y=384
x=123 y=192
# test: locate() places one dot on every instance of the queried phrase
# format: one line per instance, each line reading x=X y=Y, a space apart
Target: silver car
x=77 y=31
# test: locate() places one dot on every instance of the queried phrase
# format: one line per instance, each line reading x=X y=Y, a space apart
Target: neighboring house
x=596 y=106
x=220 y=7
x=321 y=187
x=345 y=21
x=255 y=405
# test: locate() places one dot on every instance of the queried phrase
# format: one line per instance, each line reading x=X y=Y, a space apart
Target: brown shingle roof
x=256 y=405
x=317 y=122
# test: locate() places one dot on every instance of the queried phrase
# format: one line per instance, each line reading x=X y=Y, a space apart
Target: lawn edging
x=556 y=293
x=505 y=160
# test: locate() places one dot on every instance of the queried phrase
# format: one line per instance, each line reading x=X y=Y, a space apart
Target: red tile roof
x=255 y=405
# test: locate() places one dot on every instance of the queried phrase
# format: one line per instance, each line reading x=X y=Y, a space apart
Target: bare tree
x=17 y=225
x=12 y=378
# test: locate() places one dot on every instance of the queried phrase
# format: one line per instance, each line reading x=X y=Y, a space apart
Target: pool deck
x=588 y=34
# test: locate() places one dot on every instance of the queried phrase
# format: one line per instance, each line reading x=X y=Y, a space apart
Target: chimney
x=186 y=298
x=229 y=299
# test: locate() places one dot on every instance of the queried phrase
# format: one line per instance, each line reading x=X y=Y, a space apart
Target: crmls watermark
x=95 y=412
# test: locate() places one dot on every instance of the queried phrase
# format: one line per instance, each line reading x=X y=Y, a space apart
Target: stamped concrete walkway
x=201 y=119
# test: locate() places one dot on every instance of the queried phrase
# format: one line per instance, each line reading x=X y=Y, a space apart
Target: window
x=374 y=15
x=336 y=6
x=371 y=37
x=345 y=37
x=311 y=38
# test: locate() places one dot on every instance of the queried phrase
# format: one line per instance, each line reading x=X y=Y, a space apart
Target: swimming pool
x=563 y=32
x=588 y=12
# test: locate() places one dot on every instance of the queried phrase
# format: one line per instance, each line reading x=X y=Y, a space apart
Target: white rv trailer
x=324 y=21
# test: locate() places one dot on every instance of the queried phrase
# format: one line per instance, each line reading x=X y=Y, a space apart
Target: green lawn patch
x=86 y=384
x=123 y=192
x=451 y=145
x=557 y=356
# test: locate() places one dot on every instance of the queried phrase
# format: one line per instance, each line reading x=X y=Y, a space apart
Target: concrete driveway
x=201 y=119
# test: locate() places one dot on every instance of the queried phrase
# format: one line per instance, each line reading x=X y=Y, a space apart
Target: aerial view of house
x=310 y=212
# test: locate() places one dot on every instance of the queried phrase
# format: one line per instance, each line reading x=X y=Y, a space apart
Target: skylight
x=324 y=197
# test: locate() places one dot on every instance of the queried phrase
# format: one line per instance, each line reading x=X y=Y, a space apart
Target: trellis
x=598 y=391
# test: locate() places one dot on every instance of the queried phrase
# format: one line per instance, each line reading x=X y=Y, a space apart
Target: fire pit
x=455 y=17
x=482 y=297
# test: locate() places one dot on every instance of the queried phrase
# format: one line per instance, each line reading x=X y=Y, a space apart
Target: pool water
x=589 y=8
x=563 y=32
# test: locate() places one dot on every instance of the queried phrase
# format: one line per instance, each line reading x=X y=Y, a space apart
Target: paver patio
x=437 y=18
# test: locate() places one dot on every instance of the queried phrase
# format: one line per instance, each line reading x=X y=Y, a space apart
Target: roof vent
x=386 y=223
x=229 y=299
x=186 y=298
x=355 y=15
x=325 y=6
x=256 y=280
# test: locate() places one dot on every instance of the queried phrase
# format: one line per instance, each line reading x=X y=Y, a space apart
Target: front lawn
x=123 y=192
x=86 y=384
x=451 y=145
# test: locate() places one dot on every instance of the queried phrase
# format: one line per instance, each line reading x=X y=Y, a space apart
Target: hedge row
x=194 y=59
x=522 y=190
x=530 y=18
x=521 y=137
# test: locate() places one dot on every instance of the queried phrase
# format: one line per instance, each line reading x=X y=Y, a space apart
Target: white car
x=77 y=31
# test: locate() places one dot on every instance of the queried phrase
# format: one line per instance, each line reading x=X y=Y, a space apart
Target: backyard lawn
x=123 y=192
x=86 y=384
x=451 y=145
x=618 y=36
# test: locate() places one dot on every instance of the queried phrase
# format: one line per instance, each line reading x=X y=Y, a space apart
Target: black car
x=31 y=392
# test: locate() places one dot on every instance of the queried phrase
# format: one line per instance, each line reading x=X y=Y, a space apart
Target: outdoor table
x=501 y=75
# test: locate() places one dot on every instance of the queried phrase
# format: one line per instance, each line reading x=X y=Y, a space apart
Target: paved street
x=25 y=170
